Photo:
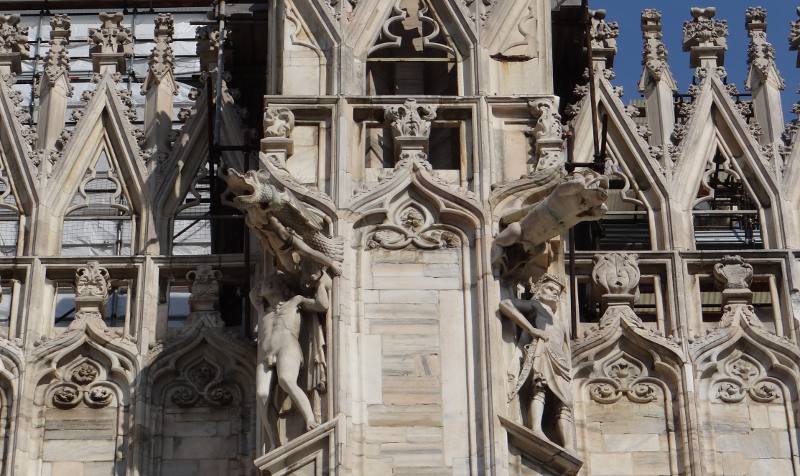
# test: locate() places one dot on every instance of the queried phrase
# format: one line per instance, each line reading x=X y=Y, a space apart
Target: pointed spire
x=656 y=82
x=763 y=78
x=110 y=44
x=794 y=37
x=604 y=40
x=207 y=47
x=705 y=39
x=159 y=87
x=55 y=86
x=13 y=45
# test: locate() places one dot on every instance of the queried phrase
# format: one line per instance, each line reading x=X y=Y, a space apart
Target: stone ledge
x=544 y=452
x=317 y=447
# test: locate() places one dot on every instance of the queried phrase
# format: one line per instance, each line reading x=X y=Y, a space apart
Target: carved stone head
x=547 y=290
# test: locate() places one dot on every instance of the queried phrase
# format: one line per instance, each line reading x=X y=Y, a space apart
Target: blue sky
x=627 y=63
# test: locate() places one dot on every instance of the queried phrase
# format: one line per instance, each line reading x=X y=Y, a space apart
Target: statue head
x=547 y=290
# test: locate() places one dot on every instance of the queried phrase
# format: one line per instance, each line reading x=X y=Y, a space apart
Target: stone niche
x=84 y=422
x=624 y=421
x=747 y=418
x=201 y=420
x=415 y=379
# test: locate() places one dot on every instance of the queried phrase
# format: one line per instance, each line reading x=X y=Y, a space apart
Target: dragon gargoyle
x=285 y=224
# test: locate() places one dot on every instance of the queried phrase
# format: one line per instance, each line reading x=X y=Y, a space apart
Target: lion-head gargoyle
x=525 y=233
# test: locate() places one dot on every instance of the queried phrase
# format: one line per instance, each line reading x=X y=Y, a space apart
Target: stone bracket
x=540 y=450
x=314 y=452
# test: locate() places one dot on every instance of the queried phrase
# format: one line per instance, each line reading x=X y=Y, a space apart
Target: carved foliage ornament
x=624 y=376
x=162 y=58
x=654 y=51
x=616 y=273
x=278 y=122
x=13 y=37
x=604 y=34
x=57 y=59
x=733 y=273
x=744 y=376
x=760 y=53
x=410 y=119
x=412 y=226
x=703 y=30
x=202 y=381
x=111 y=37
x=82 y=385
x=92 y=281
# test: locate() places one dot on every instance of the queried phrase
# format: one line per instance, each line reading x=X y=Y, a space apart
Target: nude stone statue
x=546 y=361
x=279 y=350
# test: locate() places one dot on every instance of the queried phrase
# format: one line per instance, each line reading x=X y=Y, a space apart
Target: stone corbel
x=278 y=127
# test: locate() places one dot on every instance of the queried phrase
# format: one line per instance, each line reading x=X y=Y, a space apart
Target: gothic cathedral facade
x=392 y=237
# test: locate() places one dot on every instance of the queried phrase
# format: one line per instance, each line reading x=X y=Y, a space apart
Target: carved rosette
x=412 y=226
x=202 y=383
x=624 y=376
x=82 y=384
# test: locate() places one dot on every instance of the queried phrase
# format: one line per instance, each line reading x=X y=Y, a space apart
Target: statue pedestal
x=548 y=457
x=313 y=452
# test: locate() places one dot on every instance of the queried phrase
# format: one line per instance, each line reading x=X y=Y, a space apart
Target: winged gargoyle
x=285 y=225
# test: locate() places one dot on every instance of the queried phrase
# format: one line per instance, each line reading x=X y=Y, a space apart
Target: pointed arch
x=18 y=173
x=716 y=125
x=443 y=31
x=11 y=362
x=104 y=126
x=178 y=174
x=638 y=189
x=203 y=369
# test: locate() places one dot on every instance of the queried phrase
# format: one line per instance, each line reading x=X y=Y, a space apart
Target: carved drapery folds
x=110 y=44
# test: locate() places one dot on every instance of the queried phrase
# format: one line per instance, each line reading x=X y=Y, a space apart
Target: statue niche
x=291 y=292
x=545 y=374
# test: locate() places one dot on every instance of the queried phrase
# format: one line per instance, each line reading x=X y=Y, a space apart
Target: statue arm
x=511 y=309
x=321 y=301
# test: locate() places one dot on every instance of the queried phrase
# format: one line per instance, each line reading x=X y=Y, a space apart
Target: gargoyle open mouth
x=240 y=187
